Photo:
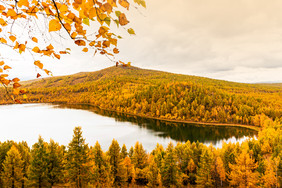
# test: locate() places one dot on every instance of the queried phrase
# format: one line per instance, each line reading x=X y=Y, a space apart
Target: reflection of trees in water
x=177 y=131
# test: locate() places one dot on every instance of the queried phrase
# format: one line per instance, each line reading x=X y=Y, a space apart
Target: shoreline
x=252 y=127
x=151 y=117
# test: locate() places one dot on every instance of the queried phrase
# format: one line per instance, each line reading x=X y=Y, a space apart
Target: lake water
x=25 y=122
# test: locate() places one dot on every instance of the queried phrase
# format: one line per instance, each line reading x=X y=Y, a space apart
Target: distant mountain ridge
x=114 y=71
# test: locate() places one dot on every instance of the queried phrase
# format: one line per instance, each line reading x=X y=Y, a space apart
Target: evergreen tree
x=228 y=155
x=192 y=171
x=184 y=154
x=140 y=162
x=103 y=176
x=169 y=171
x=55 y=168
x=130 y=153
x=123 y=152
x=204 y=172
x=243 y=173
x=219 y=167
x=4 y=148
x=12 y=174
x=39 y=163
x=26 y=157
x=128 y=173
x=158 y=154
x=139 y=157
x=154 y=176
x=77 y=160
x=115 y=162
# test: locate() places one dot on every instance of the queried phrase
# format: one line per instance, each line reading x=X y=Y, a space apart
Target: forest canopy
x=254 y=163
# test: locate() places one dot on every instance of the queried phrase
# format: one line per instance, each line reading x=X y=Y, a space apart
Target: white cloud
x=225 y=39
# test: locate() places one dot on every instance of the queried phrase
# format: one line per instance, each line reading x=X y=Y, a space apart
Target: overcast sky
x=235 y=40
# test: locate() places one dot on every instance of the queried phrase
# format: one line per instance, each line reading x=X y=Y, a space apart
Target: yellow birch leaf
x=92 y=43
x=85 y=50
x=36 y=49
x=78 y=1
x=34 y=39
x=12 y=38
x=112 y=3
x=143 y=3
x=4 y=75
x=80 y=42
x=92 y=13
x=73 y=35
x=50 y=47
x=71 y=16
x=46 y=71
x=22 y=47
x=2 y=40
x=124 y=3
x=16 y=80
x=3 y=22
x=16 y=45
x=63 y=52
x=106 y=44
x=63 y=8
x=115 y=50
x=16 y=85
x=38 y=64
x=108 y=8
x=122 y=19
x=57 y=56
x=2 y=7
x=23 y=3
x=86 y=21
x=131 y=31
x=54 y=25
x=7 y=67
x=103 y=30
x=11 y=13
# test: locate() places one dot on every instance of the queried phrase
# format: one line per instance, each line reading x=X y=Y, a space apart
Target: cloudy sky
x=235 y=40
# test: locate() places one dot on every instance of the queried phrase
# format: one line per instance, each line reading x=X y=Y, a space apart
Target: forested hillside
x=162 y=95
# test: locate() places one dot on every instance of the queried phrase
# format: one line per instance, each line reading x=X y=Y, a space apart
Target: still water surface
x=28 y=121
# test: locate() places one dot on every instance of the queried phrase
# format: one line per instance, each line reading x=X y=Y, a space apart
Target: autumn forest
x=41 y=32
x=153 y=94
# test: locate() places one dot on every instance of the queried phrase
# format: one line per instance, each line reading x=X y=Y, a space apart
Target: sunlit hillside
x=162 y=95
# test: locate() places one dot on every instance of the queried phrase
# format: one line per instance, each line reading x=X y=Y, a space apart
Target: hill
x=163 y=95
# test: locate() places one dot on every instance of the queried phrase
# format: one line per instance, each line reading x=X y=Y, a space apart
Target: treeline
x=163 y=95
x=254 y=163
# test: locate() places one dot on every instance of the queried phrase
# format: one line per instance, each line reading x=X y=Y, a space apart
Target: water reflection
x=181 y=132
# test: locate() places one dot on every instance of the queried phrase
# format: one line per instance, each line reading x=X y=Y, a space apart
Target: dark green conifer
x=123 y=151
x=39 y=164
x=115 y=162
x=102 y=176
x=55 y=167
x=78 y=160
x=12 y=174
x=169 y=171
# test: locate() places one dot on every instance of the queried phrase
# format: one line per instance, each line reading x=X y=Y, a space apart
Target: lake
x=25 y=122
